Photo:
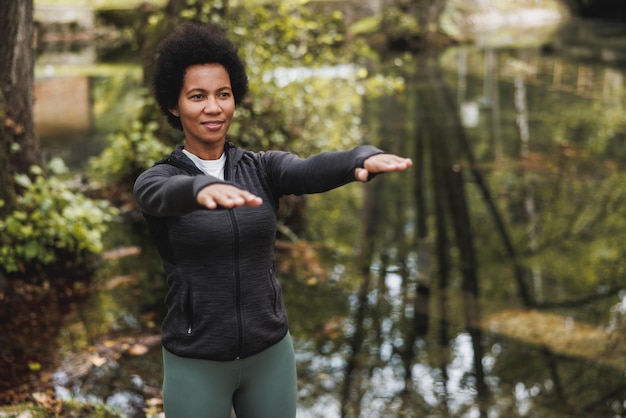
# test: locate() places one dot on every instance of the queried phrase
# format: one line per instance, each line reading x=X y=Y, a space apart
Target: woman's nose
x=212 y=106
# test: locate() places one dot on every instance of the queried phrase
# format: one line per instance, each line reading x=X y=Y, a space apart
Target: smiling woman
x=205 y=107
x=211 y=208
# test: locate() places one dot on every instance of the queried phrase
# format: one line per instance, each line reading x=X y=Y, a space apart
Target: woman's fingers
x=361 y=174
x=226 y=196
x=382 y=163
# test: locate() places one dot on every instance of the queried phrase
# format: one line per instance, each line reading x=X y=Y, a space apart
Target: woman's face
x=205 y=107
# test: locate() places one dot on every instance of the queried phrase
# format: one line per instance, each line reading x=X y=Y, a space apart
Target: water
x=485 y=282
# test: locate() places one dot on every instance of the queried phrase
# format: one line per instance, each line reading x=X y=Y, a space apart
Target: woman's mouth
x=213 y=125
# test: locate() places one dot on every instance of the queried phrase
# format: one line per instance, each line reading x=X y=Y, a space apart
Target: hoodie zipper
x=237 y=282
x=233 y=220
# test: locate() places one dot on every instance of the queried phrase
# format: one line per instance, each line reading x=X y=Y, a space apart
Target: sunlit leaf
x=97 y=360
x=23 y=180
x=34 y=366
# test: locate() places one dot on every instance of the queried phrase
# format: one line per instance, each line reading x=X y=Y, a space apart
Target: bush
x=52 y=225
x=128 y=154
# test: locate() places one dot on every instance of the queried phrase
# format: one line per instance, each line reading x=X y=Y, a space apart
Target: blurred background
x=487 y=281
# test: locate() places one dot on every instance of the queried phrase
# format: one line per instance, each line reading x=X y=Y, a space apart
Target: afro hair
x=190 y=44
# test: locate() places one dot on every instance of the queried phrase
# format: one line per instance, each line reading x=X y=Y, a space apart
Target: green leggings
x=261 y=386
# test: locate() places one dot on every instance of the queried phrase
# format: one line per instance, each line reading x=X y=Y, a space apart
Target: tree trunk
x=7 y=189
x=428 y=13
x=19 y=145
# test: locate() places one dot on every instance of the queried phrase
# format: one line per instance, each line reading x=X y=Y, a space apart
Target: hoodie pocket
x=179 y=302
x=277 y=294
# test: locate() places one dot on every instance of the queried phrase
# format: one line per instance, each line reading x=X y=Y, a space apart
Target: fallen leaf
x=154 y=402
x=40 y=397
x=138 y=350
x=97 y=361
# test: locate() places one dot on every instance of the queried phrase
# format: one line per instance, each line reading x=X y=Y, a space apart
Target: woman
x=211 y=210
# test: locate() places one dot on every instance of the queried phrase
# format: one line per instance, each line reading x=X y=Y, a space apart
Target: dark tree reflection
x=461 y=307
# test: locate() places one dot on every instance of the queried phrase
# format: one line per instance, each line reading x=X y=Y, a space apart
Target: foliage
x=286 y=34
x=52 y=224
x=118 y=97
x=293 y=59
x=367 y=26
x=399 y=24
x=128 y=153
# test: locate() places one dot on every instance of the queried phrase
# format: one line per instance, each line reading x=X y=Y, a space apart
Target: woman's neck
x=206 y=152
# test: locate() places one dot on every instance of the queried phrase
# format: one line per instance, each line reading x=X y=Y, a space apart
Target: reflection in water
x=514 y=210
x=486 y=282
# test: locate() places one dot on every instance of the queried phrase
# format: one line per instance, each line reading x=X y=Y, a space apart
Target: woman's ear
x=174 y=111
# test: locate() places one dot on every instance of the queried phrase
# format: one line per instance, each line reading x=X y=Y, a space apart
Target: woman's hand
x=381 y=163
x=226 y=196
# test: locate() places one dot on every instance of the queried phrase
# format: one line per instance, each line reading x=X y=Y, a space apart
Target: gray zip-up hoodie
x=223 y=300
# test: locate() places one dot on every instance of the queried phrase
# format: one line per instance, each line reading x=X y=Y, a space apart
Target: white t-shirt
x=213 y=168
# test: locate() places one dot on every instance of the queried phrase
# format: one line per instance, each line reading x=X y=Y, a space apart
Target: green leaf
x=23 y=180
